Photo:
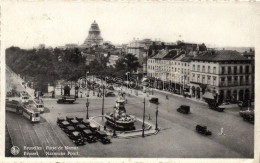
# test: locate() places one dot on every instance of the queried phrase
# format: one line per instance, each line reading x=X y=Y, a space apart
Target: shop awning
x=208 y=95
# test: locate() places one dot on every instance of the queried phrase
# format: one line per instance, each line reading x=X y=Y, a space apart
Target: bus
x=39 y=104
x=31 y=113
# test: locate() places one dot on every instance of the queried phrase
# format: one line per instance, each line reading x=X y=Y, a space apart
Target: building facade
x=94 y=36
x=225 y=72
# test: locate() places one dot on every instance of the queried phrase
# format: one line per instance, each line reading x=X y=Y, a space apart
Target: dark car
x=74 y=122
x=184 y=109
x=102 y=137
x=93 y=127
x=77 y=138
x=85 y=122
x=154 y=100
x=79 y=119
x=110 y=94
x=248 y=115
x=203 y=130
x=64 y=124
x=66 y=99
x=59 y=120
x=81 y=127
x=89 y=136
x=69 y=129
x=69 y=118
x=216 y=108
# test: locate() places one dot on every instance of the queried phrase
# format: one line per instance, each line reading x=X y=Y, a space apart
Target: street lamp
x=127 y=78
x=156 y=114
x=87 y=105
x=143 y=119
x=114 y=115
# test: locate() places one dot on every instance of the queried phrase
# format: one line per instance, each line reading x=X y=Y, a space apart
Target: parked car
x=89 y=136
x=184 y=109
x=85 y=122
x=74 y=122
x=111 y=88
x=110 y=94
x=69 y=129
x=79 y=119
x=187 y=94
x=176 y=91
x=69 y=118
x=59 y=120
x=77 y=138
x=248 y=115
x=81 y=127
x=154 y=99
x=102 y=137
x=66 y=99
x=93 y=127
x=203 y=130
x=64 y=124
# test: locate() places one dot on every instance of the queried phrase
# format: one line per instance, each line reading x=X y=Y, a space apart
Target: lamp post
x=103 y=102
x=143 y=119
x=87 y=105
x=114 y=115
x=156 y=114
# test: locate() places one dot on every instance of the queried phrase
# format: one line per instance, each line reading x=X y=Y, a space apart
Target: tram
x=24 y=97
x=31 y=113
x=39 y=105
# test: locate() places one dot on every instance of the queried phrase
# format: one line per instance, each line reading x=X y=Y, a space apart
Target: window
x=235 y=69
x=198 y=68
x=193 y=68
x=241 y=80
x=198 y=78
x=193 y=77
x=203 y=68
x=185 y=64
x=241 y=69
x=203 y=79
x=208 y=69
x=247 y=79
x=214 y=70
x=182 y=70
x=175 y=69
x=223 y=70
x=229 y=80
x=229 y=70
x=214 y=80
x=247 y=69
x=235 y=80
x=209 y=78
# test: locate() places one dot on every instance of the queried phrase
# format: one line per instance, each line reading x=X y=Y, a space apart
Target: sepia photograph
x=128 y=80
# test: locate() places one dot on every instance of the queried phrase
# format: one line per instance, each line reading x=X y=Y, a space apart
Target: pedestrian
x=105 y=127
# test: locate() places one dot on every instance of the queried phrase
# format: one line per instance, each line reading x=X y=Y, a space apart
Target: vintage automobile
x=154 y=99
x=184 y=109
x=93 y=127
x=79 y=119
x=110 y=94
x=74 y=122
x=64 y=124
x=77 y=138
x=89 y=136
x=85 y=122
x=81 y=127
x=69 y=129
x=217 y=108
x=69 y=118
x=203 y=130
x=66 y=99
x=102 y=137
x=59 y=120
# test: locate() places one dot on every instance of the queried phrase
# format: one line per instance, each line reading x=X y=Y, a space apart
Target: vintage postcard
x=128 y=81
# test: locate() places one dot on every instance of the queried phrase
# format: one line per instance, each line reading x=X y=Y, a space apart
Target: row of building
x=227 y=73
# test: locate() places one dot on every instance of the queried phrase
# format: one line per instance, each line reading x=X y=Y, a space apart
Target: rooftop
x=221 y=55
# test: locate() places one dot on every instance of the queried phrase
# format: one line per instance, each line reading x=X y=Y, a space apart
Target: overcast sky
x=53 y=24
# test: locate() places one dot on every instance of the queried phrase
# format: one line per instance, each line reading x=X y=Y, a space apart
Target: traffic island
x=149 y=128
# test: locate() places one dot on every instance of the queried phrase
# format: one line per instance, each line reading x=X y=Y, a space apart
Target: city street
x=177 y=137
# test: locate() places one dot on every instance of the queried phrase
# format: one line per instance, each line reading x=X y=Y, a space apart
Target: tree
x=131 y=62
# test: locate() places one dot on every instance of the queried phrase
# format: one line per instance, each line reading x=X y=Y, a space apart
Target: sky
x=28 y=24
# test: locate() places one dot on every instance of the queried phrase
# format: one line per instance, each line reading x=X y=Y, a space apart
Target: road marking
x=31 y=139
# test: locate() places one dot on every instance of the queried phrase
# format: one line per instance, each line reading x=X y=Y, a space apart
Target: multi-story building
x=224 y=72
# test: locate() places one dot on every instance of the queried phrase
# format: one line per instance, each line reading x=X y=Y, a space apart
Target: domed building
x=94 y=37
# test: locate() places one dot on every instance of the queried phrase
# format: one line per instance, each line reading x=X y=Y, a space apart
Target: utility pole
x=156 y=113
x=143 y=119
